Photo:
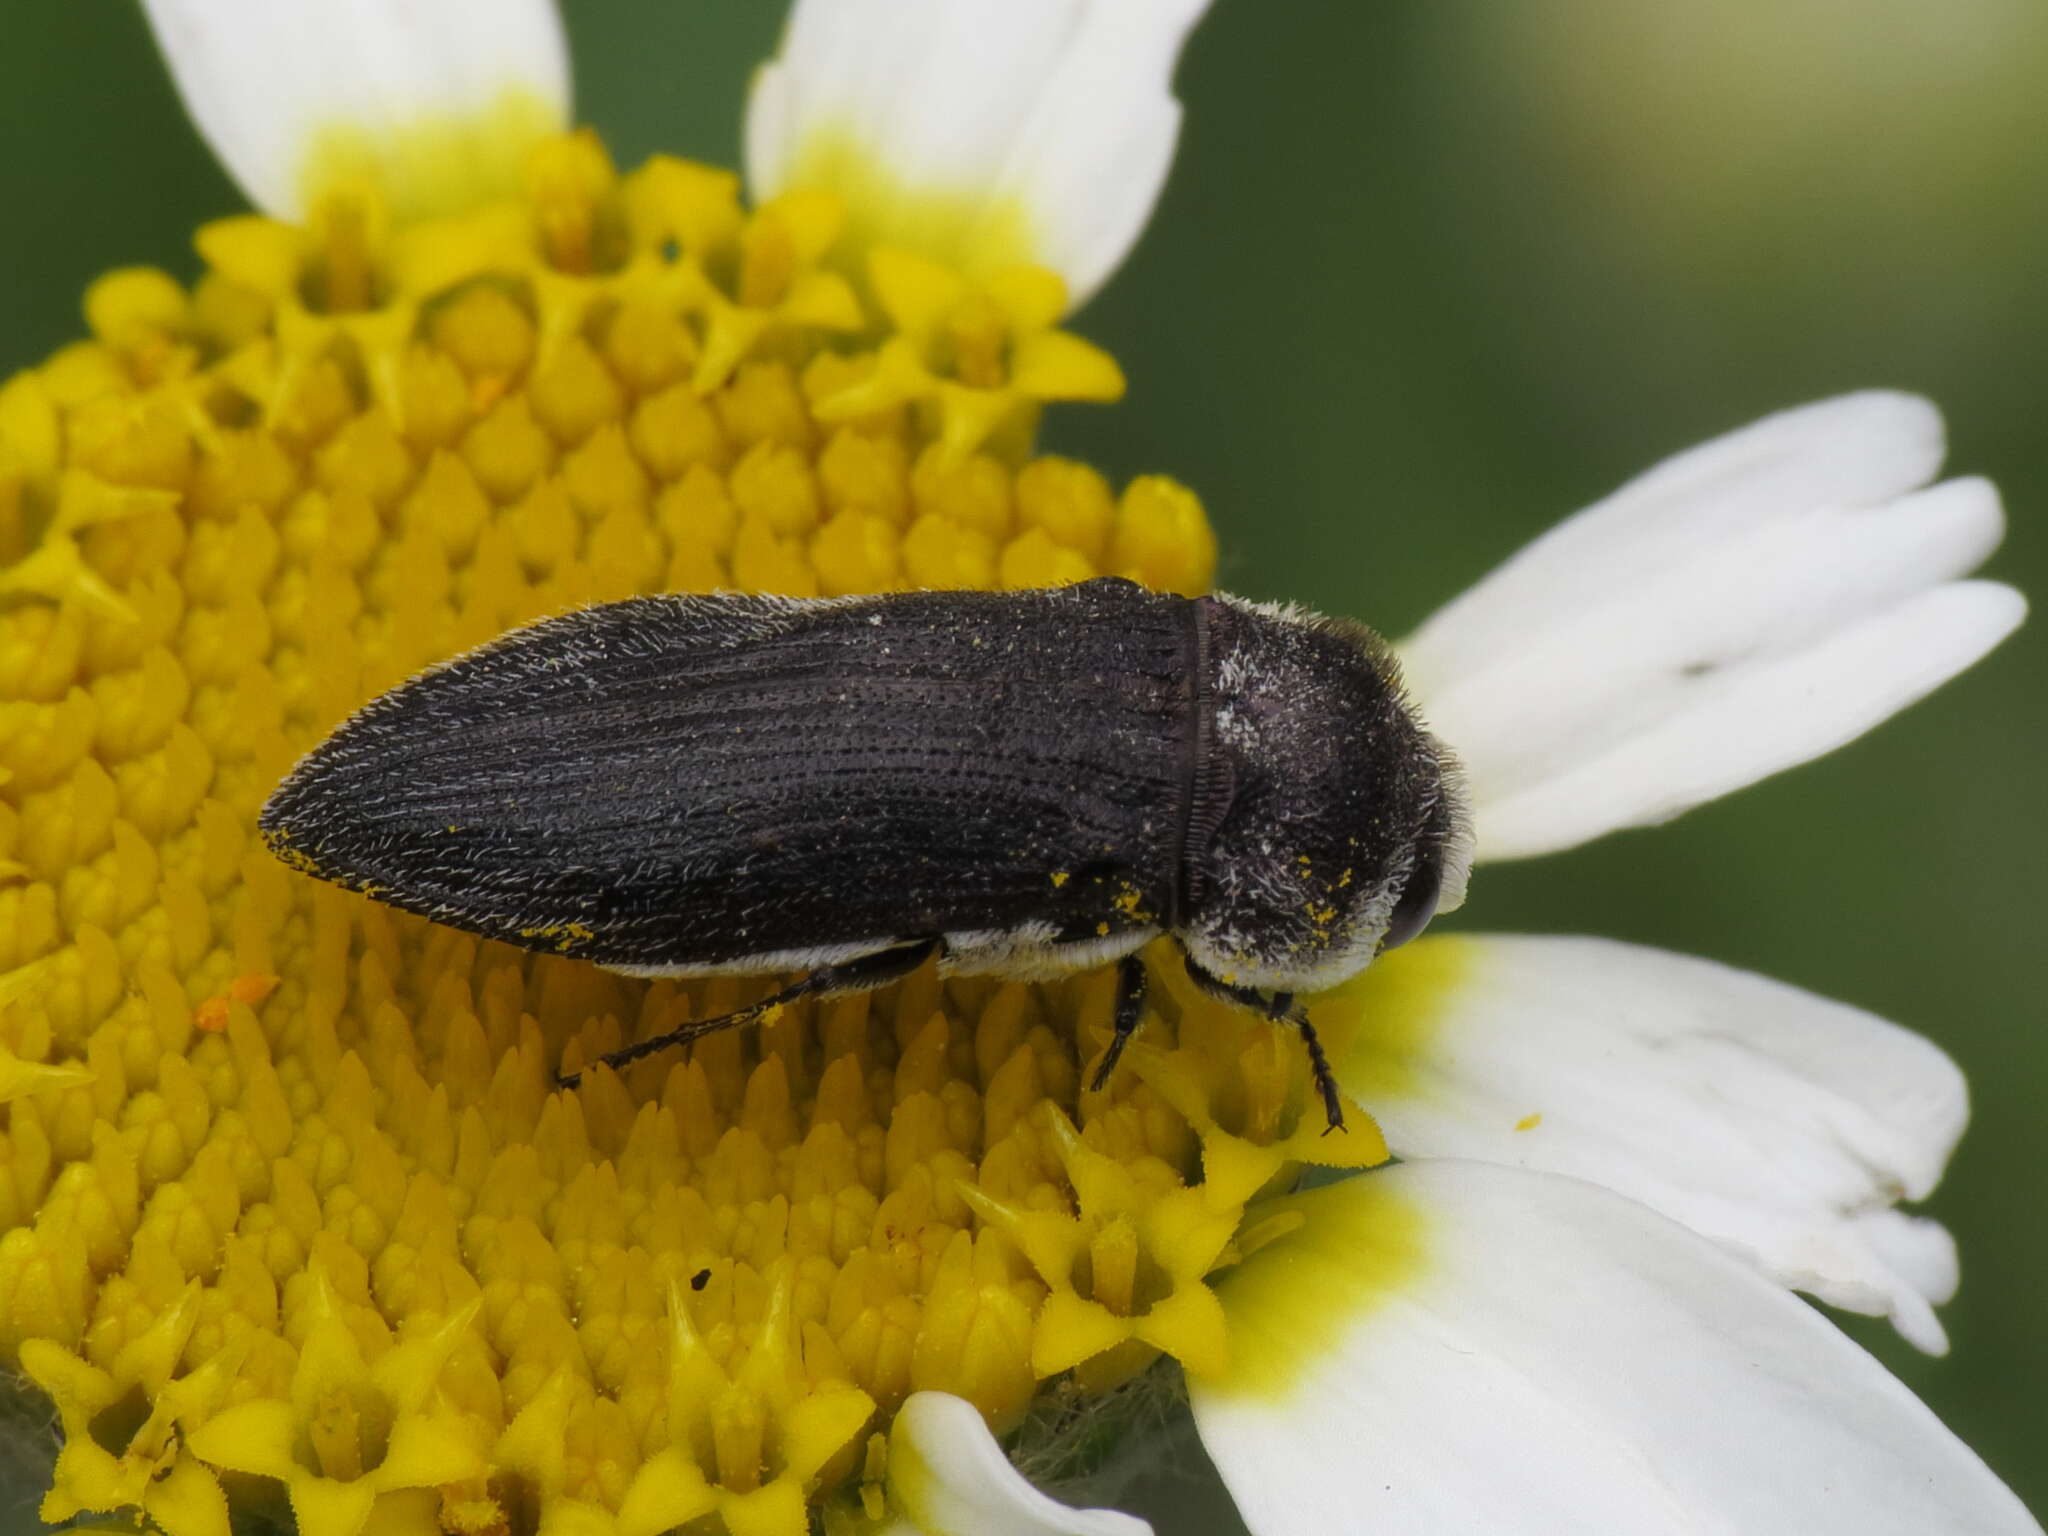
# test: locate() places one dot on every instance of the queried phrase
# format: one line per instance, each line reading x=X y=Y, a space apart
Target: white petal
x=1741 y=608
x=1053 y=119
x=1453 y=1347
x=948 y=1477
x=1780 y=1124
x=436 y=95
x=1760 y=716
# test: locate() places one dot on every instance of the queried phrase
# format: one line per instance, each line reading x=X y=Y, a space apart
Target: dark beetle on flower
x=1022 y=783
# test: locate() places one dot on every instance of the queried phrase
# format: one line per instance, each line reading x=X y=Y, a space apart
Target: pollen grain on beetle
x=285 y=1181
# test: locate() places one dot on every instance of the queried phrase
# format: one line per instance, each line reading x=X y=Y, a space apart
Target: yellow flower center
x=335 y=1433
x=289 y=1168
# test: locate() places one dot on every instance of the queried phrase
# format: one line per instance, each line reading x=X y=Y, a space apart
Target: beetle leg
x=1281 y=1008
x=1319 y=1067
x=1130 y=1004
x=862 y=974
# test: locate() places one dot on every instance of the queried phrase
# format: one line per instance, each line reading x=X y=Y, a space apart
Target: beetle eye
x=1418 y=900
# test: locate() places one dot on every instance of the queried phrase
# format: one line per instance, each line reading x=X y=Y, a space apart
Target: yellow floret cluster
x=292 y=1206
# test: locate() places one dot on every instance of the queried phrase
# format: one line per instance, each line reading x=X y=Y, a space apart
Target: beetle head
x=1329 y=823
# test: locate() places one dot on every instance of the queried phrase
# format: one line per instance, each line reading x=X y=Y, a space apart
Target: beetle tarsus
x=862 y=974
x=1130 y=1006
x=1281 y=1009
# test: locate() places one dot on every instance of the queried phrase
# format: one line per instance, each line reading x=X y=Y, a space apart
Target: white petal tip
x=1896 y=414
x=1919 y=1327
x=948 y=1477
x=1743 y=607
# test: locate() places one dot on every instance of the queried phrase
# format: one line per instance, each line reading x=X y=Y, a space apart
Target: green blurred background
x=1429 y=274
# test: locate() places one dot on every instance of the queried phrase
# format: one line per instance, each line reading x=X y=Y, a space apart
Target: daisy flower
x=294 y=1221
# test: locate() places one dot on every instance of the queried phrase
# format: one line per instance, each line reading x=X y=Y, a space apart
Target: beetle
x=1021 y=783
